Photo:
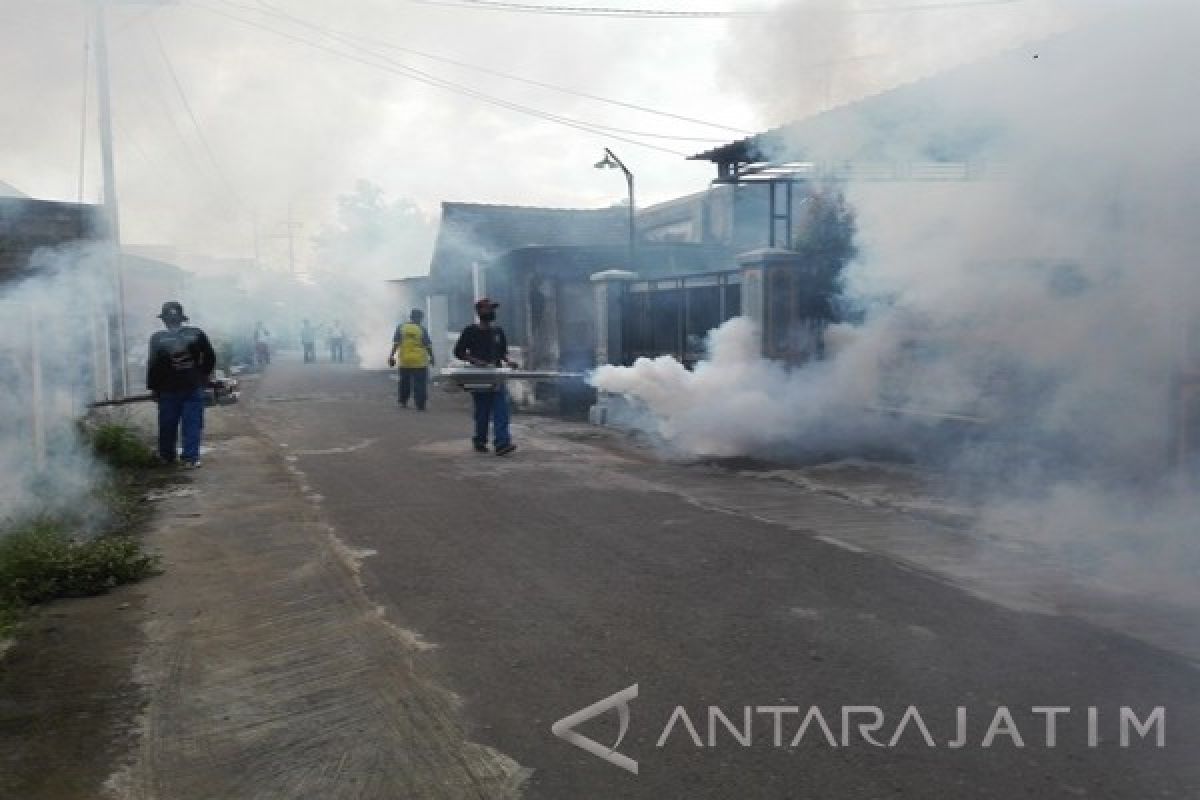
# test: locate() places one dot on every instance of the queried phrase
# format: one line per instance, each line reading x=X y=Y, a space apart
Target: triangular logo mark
x=565 y=728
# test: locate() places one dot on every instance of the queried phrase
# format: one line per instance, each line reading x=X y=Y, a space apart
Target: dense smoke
x=52 y=329
x=1052 y=301
x=808 y=55
x=293 y=101
x=373 y=240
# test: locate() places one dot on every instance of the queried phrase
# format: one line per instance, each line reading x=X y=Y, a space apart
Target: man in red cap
x=484 y=345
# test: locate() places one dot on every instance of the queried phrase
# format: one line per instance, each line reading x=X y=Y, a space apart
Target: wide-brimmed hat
x=174 y=309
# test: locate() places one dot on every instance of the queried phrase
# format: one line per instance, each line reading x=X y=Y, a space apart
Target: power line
x=443 y=83
x=585 y=11
x=655 y=13
x=191 y=114
x=389 y=65
x=945 y=6
x=149 y=79
x=266 y=8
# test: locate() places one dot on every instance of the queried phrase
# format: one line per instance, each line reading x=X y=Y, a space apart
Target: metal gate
x=672 y=316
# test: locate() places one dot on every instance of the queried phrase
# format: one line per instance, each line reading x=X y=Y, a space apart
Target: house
x=538 y=264
x=28 y=225
x=471 y=236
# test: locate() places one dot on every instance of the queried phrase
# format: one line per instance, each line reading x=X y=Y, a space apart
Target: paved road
x=581 y=566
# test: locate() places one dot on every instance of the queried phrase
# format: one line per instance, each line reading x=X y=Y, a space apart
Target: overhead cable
x=266 y=8
x=380 y=62
x=192 y=115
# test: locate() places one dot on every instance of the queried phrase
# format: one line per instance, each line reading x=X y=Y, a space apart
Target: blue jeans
x=491 y=406
x=175 y=408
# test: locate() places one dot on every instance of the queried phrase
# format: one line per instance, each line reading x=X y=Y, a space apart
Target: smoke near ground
x=48 y=325
x=374 y=239
x=1055 y=300
x=737 y=403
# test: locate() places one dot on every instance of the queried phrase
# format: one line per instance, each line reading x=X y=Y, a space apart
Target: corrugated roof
x=940 y=105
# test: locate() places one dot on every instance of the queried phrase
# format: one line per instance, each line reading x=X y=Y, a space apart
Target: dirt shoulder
x=68 y=701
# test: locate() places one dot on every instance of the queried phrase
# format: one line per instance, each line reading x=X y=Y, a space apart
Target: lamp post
x=610 y=161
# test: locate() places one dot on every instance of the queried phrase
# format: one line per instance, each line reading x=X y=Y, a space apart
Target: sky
x=229 y=115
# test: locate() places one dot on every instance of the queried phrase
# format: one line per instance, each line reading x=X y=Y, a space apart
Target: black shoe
x=480 y=448
x=506 y=449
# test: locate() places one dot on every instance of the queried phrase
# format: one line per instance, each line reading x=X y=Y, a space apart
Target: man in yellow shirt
x=412 y=348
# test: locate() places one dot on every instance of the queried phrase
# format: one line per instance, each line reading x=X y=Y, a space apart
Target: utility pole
x=83 y=111
x=104 y=111
x=290 y=227
x=291 y=237
x=257 y=250
x=112 y=216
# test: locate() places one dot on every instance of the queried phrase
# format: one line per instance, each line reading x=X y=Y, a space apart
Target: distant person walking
x=308 y=340
x=484 y=345
x=337 y=342
x=178 y=369
x=262 y=345
x=412 y=348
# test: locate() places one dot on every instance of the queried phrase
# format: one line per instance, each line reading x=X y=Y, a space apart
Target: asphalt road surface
x=582 y=566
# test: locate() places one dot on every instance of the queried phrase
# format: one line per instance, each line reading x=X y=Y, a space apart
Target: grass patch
x=69 y=553
x=121 y=447
x=40 y=560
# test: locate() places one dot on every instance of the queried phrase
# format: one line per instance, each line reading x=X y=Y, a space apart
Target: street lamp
x=610 y=161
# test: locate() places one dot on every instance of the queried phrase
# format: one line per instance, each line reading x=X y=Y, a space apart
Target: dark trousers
x=310 y=352
x=491 y=407
x=176 y=409
x=336 y=354
x=414 y=381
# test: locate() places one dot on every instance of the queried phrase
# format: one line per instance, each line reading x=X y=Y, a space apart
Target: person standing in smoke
x=484 y=345
x=262 y=345
x=179 y=367
x=414 y=350
x=337 y=342
x=308 y=339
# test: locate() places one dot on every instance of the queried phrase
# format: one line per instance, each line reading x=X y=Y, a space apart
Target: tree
x=825 y=235
x=376 y=239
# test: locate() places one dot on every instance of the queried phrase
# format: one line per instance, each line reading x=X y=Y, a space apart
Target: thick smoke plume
x=1054 y=299
x=737 y=403
x=50 y=328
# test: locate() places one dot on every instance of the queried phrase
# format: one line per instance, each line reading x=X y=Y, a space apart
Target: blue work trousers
x=180 y=409
x=493 y=407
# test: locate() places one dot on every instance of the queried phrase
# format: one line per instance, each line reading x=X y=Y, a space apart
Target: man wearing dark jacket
x=178 y=370
x=484 y=345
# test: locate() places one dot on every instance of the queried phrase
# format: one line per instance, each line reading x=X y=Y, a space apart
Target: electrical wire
x=654 y=13
x=389 y=65
x=429 y=77
x=943 y=6
x=155 y=90
x=266 y=8
x=585 y=11
x=192 y=115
